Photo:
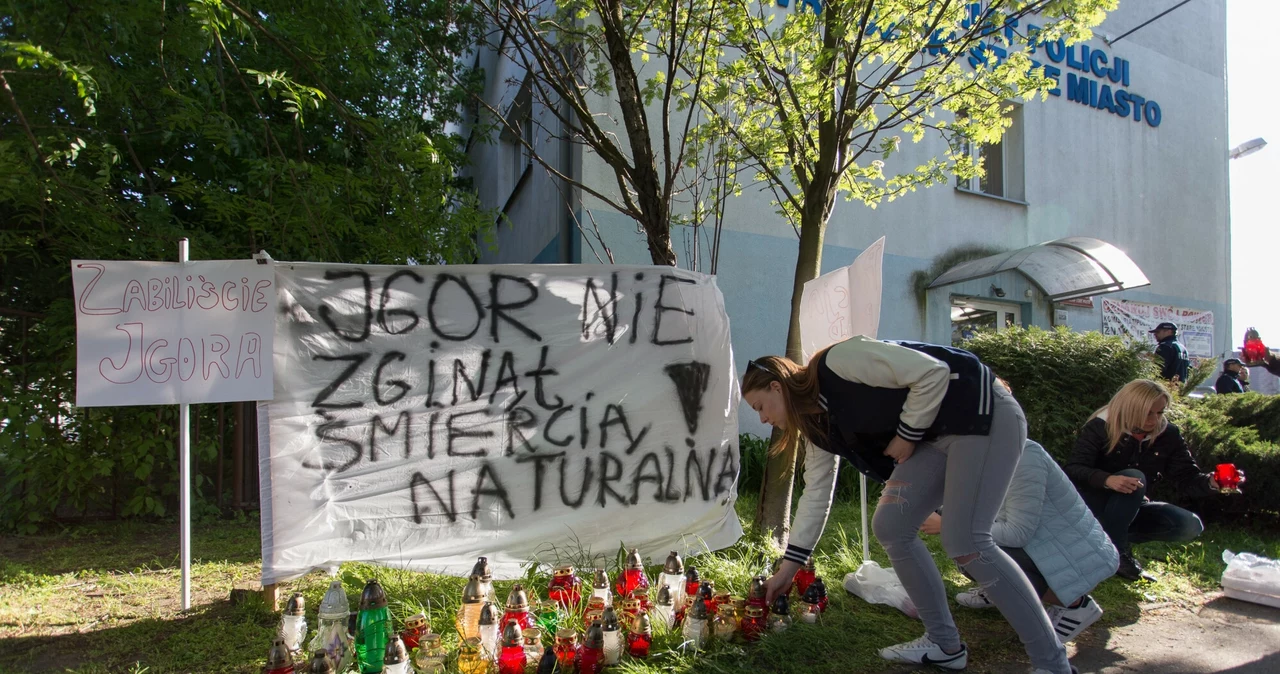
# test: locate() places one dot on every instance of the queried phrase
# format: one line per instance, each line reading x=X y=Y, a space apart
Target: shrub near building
x=1239 y=429
x=1060 y=377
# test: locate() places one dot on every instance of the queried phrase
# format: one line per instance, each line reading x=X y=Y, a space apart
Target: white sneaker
x=1070 y=622
x=974 y=598
x=922 y=651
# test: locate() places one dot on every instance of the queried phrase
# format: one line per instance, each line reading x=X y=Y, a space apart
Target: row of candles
x=511 y=642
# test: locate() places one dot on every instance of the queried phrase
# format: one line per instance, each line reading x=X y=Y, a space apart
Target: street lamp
x=1248 y=148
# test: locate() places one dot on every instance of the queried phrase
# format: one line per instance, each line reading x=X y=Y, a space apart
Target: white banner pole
x=866 y=542
x=184 y=472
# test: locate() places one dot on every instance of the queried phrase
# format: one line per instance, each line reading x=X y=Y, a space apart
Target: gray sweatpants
x=968 y=475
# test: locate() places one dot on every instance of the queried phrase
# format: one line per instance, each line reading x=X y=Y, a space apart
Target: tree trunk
x=774 y=510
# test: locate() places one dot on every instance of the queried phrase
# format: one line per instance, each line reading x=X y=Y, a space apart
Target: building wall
x=1158 y=193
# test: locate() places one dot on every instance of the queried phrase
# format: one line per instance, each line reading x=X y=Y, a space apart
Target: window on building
x=1002 y=163
x=969 y=316
x=519 y=136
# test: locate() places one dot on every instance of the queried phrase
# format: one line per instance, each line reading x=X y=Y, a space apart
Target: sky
x=1253 y=102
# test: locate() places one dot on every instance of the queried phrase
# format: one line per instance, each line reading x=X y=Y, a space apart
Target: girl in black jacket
x=1122 y=450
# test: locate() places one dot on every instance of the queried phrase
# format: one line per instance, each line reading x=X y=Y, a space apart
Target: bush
x=753 y=450
x=1060 y=377
x=1239 y=429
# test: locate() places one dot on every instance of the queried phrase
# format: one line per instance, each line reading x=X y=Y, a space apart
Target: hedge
x=1060 y=377
x=1239 y=429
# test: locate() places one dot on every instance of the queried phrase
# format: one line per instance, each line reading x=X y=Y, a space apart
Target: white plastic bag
x=1251 y=578
x=876 y=585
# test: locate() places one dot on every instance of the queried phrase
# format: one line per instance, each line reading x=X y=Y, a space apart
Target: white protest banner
x=1134 y=320
x=425 y=416
x=843 y=303
x=163 y=333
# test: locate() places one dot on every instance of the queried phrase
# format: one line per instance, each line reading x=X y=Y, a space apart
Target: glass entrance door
x=969 y=316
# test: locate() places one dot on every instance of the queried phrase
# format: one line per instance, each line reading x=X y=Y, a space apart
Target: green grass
x=102 y=598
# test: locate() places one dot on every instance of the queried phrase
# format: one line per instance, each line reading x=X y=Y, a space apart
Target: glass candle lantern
x=548 y=664
x=809 y=608
x=707 y=596
x=724 y=624
x=756 y=596
x=279 y=658
x=373 y=628
x=511 y=657
x=739 y=610
x=753 y=624
x=805 y=575
x=594 y=612
x=415 y=626
x=692 y=581
x=1254 y=350
x=723 y=598
x=320 y=663
x=489 y=630
x=640 y=637
x=780 y=614
x=612 y=629
x=821 y=590
x=518 y=608
x=566 y=649
x=430 y=656
x=565 y=588
x=672 y=577
x=641 y=595
x=549 y=614
x=591 y=656
x=473 y=600
x=471 y=659
x=533 y=648
x=293 y=622
x=695 y=624
x=485 y=574
x=662 y=612
x=600 y=587
x=332 y=634
x=630 y=608
x=395 y=659
x=632 y=576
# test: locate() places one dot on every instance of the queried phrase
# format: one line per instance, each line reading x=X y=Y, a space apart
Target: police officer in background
x=1172 y=354
x=1231 y=381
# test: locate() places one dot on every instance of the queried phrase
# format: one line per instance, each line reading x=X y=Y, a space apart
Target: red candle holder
x=591 y=657
x=567 y=650
x=805 y=576
x=1228 y=477
x=415 y=627
x=1254 y=350
x=565 y=587
x=632 y=576
x=753 y=623
x=512 y=658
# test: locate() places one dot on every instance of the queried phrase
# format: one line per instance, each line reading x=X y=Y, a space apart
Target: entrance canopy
x=1065 y=269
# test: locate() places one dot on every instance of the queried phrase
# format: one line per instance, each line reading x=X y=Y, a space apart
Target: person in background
x=1231 y=379
x=1047 y=529
x=1122 y=451
x=1174 y=362
x=933 y=424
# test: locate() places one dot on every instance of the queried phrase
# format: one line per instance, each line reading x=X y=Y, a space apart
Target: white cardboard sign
x=425 y=416
x=164 y=333
x=843 y=303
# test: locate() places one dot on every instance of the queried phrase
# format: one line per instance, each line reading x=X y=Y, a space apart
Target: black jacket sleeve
x=1180 y=466
x=1091 y=445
